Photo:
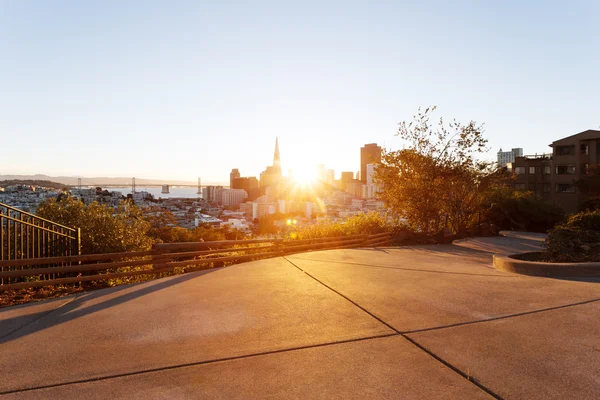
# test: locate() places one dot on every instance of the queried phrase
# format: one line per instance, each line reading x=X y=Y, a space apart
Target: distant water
x=174 y=191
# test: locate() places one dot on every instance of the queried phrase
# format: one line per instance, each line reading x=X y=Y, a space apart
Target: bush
x=577 y=240
x=362 y=224
x=104 y=229
x=510 y=209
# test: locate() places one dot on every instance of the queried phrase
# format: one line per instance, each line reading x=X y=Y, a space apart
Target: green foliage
x=434 y=182
x=577 y=240
x=589 y=186
x=362 y=224
x=104 y=229
x=518 y=210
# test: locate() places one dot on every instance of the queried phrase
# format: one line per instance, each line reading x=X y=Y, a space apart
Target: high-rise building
x=212 y=194
x=369 y=154
x=370 y=173
x=272 y=175
x=330 y=176
x=347 y=176
x=235 y=173
x=233 y=197
x=276 y=157
x=505 y=157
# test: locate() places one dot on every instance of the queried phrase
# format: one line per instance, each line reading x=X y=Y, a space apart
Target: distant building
x=212 y=194
x=272 y=175
x=347 y=176
x=354 y=187
x=233 y=197
x=235 y=173
x=505 y=157
x=205 y=219
x=369 y=154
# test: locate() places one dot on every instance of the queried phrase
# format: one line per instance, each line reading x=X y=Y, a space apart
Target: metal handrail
x=2 y=205
x=26 y=236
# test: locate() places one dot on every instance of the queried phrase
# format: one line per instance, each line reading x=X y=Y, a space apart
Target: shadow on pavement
x=69 y=311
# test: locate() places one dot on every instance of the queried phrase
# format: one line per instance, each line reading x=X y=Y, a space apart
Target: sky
x=186 y=89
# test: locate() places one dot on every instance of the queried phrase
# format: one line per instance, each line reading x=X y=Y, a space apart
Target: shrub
x=362 y=224
x=577 y=240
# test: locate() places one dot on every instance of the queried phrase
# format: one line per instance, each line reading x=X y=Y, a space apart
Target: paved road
x=423 y=322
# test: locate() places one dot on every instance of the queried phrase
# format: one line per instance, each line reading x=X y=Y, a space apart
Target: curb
x=509 y=263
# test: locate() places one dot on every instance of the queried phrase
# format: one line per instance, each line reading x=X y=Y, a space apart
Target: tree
x=104 y=229
x=589 y=186
x=512 y=209
x=435 y=181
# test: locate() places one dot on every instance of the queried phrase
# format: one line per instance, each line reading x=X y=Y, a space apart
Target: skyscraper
x=272 y=175
x=276 y=157
x=369 y=154
x=235 y=173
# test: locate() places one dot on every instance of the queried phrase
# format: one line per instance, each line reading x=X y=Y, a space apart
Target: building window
x=584 y=149
x=547 y=169
x=584 y=168
x=565 y=188
x=520 y=186
x=532 y=170
x=520 y=170
x=565 y=150
x=566 y=169
x=547 y=187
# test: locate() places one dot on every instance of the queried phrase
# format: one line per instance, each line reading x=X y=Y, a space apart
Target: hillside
x=33 y=182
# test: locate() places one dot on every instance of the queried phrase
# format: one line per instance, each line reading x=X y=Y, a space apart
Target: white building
x=206 y=219
x=505 y=157
x=238 y=224
x=370 y=173
x=233 y=197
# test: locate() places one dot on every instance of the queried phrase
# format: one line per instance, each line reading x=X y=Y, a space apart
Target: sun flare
x=305 y=176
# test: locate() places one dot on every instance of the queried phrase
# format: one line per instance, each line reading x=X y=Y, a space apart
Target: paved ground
x=421 y=322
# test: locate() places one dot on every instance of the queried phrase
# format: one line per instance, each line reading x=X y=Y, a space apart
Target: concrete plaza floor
x=419 y=322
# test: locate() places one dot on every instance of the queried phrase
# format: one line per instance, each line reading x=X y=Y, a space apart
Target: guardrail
x=27 y=236
x=165 y=258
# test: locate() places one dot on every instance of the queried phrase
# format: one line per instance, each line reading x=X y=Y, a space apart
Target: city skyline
x=163 y=91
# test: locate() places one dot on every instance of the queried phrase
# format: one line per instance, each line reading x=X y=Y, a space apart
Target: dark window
x=547 y=187
x=565 y=150
x=520 y=186
x=566 y=169
x=584 y=149
x=565 y=188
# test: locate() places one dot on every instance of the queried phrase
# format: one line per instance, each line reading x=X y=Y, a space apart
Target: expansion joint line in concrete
x=197 y=363
x=400 y=333
x=408 y=269
x=436 y=328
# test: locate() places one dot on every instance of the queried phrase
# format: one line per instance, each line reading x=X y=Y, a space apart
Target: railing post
x=79 y=242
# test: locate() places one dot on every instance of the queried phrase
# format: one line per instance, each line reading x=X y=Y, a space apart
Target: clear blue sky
x=180 y=89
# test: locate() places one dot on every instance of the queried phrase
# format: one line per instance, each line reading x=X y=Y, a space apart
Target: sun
x=304 y=176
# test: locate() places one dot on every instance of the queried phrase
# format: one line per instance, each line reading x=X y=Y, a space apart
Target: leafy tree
x=589 y=186
x=435 y=181
x=104 y=229
x=512 y=209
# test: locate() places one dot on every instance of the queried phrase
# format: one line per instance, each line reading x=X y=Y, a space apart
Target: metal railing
x=167 y=258
x=26 y=236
